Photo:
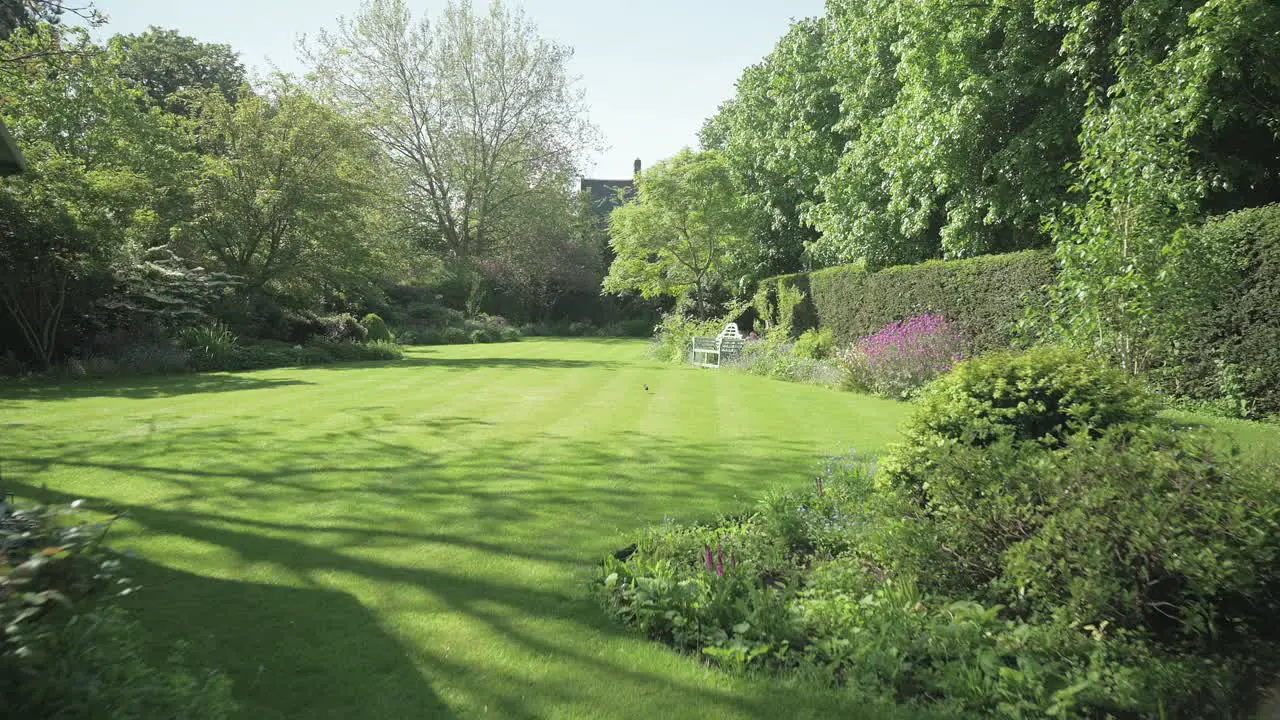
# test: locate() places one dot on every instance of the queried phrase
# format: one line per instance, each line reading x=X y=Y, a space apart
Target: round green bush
x=1046 y=393
x=480 y=335
x=375 y=329
x=511 y=334
x=815 y=344
x=344 y=328
x=454 y=336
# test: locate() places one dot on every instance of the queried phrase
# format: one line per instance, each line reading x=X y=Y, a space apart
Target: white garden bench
x=710 y=352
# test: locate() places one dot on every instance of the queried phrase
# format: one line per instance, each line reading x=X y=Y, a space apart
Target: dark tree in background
x=171 y=68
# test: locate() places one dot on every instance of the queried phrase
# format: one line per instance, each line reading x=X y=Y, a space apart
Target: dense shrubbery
x=781 y=360
x=986 y=296
x=815 y=344
x=1041 y=546
x=66 y=652
x=375 y=329
x=1221 y=329
x=902 y=356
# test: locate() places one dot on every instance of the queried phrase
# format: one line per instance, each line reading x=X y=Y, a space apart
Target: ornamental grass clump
x=903 y=356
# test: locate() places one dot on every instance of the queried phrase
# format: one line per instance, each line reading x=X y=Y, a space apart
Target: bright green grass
x=412 y=540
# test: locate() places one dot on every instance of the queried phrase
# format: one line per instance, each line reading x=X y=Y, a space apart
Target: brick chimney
x=637 y=174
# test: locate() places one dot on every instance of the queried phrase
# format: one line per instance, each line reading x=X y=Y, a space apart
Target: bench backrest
x=730 y=331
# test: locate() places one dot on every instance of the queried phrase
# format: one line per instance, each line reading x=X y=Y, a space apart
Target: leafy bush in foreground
x=1044 y=393
x=66 y=652
x=1040 y=547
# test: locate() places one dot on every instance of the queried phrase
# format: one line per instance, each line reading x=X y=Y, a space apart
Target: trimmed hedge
x=1226 y=342
x=986 y=296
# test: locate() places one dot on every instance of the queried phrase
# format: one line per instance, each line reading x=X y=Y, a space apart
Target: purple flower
x=711 y=566
x=720 y=561
x=904 y=355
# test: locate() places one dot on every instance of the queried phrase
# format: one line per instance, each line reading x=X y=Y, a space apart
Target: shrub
x=1096 y=545
x=344 y=328
x=65 y=651
x=581 y=329
x=775 y=359
x=903 y=356
x=815 y=344
x=675 y=334
x=375 y=329
x=454 y=336
x=208 y=344
x=1220 y=329
x=141 y=358
x=986 y=296
x=510 y=334
x=1046 y=392
x=481 y=335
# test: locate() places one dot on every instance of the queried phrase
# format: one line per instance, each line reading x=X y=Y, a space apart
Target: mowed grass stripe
x=412 y=539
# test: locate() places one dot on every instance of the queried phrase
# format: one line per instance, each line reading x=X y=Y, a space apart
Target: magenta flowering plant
x=903 y=356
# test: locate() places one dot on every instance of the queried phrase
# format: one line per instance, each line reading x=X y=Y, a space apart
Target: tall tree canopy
x=283 y=193
x=682 y=235
x=894 y=131
x=476 y=110
x=779 y=135
x=174 y=69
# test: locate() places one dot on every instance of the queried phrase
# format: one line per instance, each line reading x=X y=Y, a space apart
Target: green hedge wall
x=1227 y=340
x=986 y=295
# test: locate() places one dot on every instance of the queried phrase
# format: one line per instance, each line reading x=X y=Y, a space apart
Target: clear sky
x=653 y=70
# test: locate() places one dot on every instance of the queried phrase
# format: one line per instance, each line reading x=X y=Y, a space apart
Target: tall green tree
x=101 y=172
x=477 y=111
x=174 y=69
x=962 y=118
x=779 y=135
x=682 y=235
x=284 y=193
x=1190 y=126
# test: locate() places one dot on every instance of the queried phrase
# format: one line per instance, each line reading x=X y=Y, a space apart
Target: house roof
x=11 y=161
x=604 y=197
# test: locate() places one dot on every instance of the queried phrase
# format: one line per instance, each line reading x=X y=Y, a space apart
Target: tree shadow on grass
x=290 y=652
x=136 y=388
x=312 y=651
x=487 y=541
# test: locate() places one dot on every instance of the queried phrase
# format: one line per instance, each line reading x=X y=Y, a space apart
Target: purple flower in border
x=720 y=561
x=711 y=566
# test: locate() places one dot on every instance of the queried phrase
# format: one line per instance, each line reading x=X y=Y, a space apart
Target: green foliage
x=1044 y=394
x=174 y=69
x=375 y=329
x=1219 y=325
x=454 y=336
x=1182 y=133
x=344 y=327
x=815 y=344
x=1040 y=546
x=778 y=134
x=208 y=342
x=680 y=237
x=284 y=194
x=985 y=296
x=66 y=652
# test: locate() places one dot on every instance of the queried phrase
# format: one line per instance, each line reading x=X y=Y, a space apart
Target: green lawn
x=412 y=540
